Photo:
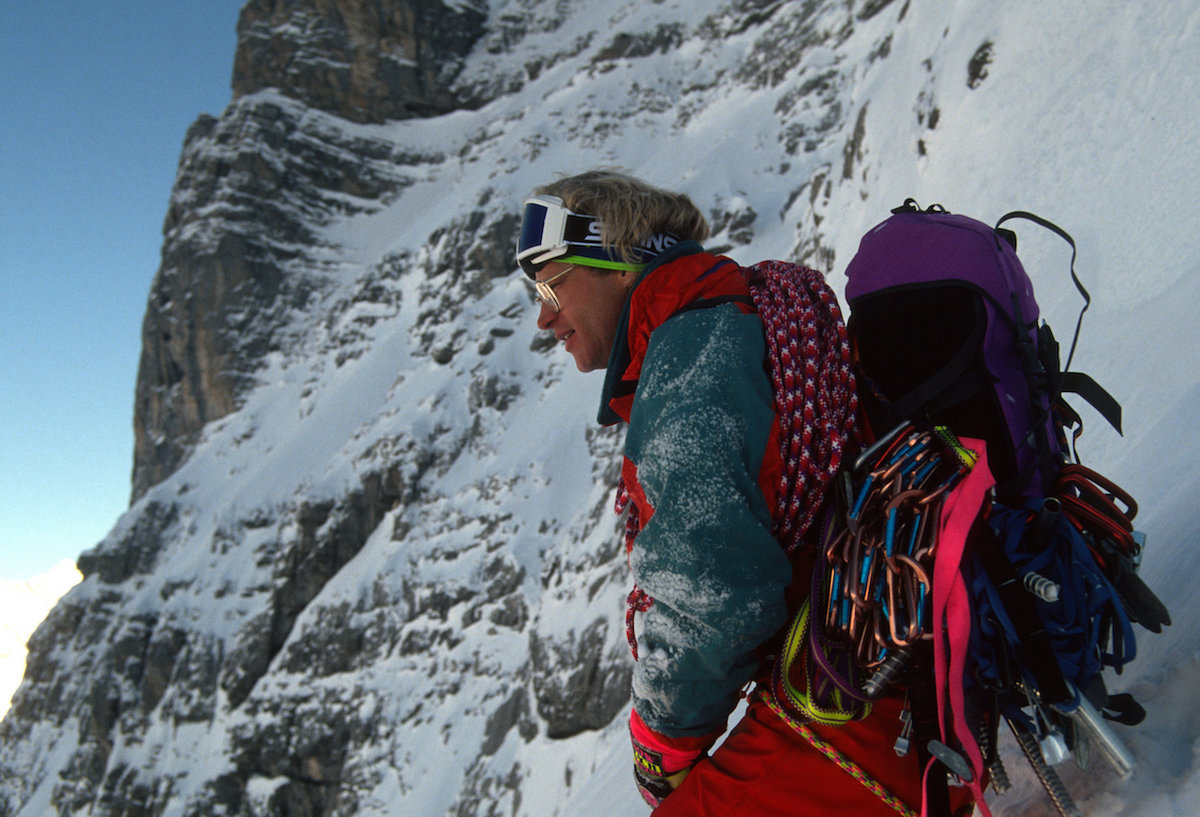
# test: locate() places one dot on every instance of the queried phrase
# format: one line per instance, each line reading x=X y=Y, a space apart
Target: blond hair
x=629 y=210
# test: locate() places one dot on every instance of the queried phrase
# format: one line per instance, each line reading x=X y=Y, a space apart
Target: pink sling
x=952 y=615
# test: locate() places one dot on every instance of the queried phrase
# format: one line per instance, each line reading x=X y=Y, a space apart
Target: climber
x=624 y=284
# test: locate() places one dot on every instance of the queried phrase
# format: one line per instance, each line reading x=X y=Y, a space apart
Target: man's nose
x=545 y=316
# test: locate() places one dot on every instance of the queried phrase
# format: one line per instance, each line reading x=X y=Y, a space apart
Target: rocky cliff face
x=371 y=566
x=255 y=186
x=363 y=60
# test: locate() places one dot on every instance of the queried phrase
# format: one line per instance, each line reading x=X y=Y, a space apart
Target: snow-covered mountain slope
x=384 y=577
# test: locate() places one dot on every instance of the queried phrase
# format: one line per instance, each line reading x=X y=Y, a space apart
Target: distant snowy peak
x=25 y=602
x=23 y=605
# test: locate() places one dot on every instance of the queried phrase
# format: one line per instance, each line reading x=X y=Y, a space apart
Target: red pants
x=765 y=769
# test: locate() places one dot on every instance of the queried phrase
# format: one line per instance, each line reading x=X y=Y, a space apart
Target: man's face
x=590 y=304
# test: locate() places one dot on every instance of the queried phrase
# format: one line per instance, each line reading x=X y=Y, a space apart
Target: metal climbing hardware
x=877 y=599
x=904 y=741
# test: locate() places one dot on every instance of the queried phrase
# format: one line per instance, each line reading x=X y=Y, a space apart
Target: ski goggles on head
x=551 y=232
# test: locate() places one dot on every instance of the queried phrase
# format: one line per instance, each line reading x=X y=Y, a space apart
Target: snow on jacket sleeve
x=697 y=433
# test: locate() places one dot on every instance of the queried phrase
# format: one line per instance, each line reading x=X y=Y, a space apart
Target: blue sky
x=96 y=98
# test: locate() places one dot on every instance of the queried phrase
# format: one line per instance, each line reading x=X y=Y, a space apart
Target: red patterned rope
x=633 y=522
x=638 y=601
x=815 y=392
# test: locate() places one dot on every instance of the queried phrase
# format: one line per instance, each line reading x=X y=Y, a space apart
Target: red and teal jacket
x=688 y=373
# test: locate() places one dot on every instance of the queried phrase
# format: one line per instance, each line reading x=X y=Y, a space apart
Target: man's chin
x=585 y=365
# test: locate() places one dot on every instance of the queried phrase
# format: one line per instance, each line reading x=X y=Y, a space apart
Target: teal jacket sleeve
x=698 y=431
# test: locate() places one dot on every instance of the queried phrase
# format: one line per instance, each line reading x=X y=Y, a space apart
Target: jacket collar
x=669 y=292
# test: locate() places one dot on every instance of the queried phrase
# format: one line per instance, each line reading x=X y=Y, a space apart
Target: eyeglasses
x=545 y=289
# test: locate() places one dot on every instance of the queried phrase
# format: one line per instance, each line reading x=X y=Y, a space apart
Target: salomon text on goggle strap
x=549 y=231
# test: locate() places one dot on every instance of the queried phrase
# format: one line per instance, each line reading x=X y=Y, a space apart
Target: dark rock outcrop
x=362 y=60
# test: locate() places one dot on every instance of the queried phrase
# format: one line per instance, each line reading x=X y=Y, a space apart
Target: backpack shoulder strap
x=1065 y=236
x=1095 y=395
x=1073 y=382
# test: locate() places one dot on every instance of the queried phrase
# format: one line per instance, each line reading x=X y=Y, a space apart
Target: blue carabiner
x=924 y=473
x=861 y=499
x=916 y=529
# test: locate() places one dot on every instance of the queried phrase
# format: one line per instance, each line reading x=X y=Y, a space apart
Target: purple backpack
x=945 y=327
x=946 y=344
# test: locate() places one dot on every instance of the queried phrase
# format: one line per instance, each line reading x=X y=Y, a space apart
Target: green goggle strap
x=600 y=263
